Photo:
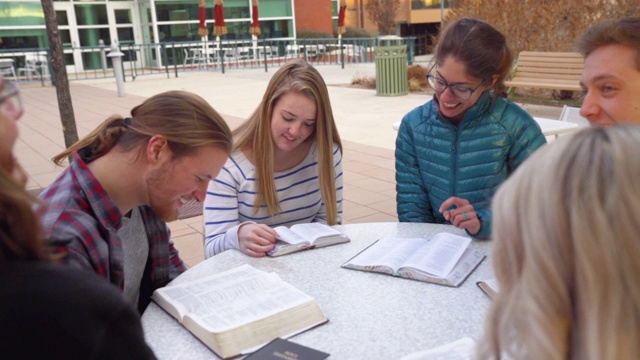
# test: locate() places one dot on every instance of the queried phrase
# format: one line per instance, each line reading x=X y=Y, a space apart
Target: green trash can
x=391 y=66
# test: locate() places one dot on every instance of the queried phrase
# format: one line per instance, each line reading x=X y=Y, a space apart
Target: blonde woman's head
x=566 y=251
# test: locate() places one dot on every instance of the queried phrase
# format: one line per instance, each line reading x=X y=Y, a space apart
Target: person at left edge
x=48 y=310
x=106 y=212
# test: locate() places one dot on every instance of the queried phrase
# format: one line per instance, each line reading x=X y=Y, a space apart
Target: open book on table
x=238 y=310
x=445 y=259
x=305 y=236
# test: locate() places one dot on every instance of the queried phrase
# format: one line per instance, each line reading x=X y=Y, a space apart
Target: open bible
x=305 y=236
x=238 y=310
x=445 y=259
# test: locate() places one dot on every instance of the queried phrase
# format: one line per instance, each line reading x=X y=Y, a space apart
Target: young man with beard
x=106 y=212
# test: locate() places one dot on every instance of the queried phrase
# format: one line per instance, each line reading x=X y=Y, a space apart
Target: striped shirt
x=230 y=198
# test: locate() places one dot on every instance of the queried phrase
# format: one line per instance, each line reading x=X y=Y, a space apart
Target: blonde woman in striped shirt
x=285 y=167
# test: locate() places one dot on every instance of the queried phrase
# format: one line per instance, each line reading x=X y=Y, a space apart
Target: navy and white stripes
x=230 y=198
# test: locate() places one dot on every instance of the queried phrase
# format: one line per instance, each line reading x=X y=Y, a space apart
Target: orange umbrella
x=254 y=29
x=219 y=28
x=202 y=14
x=341 y=13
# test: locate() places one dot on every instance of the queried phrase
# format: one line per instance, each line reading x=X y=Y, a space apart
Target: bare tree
x=65 y=106
x=383 y=13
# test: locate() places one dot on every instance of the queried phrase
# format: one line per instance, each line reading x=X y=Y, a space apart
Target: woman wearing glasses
x=453 y=152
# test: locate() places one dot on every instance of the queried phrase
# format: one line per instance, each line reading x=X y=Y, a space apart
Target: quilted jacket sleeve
x=526 y=137
x=412 y=201
x=526 y=140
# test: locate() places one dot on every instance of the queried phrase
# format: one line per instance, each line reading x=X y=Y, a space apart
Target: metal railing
x=172 y=58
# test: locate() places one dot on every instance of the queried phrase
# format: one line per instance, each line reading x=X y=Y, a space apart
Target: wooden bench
x=547 y=70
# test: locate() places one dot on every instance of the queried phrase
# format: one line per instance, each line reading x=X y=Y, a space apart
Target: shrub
x=417 y=74
x=352 y=32
x=414 y=85
x=312 y=34
x=543 y=25
x=368 y=82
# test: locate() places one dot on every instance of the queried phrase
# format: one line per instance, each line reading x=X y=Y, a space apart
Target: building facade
x=92 y=23
x=416 y=18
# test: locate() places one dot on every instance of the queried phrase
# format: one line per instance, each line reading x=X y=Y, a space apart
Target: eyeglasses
x=460 y=92
x=10 y=101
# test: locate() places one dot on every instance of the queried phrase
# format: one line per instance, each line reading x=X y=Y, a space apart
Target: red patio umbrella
x=254 y=29
x=341 y=13
x=219 y=28
x=202 y=14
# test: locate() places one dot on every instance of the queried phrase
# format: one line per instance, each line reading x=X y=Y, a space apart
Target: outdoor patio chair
x=34 y=64
x=8 y=72
x=196 y=57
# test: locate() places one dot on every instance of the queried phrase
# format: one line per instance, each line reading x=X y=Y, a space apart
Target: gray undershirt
x=136 y=251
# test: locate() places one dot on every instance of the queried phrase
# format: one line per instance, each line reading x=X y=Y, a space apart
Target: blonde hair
x=566 y=252
x=185 y=119
x=254 y=135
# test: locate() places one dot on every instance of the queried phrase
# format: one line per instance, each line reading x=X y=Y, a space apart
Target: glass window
x=62 y=18
x=91 y=14
x=429 y=4
x=276 y=28
x=123 y=16
x=92 y=37
x=178 y=32
x=177 y=10
x=236 y=31
x=65 y=38
x=275 y=8
x=23 y=39
x=236 y=9
x=125 y=35
x=15 y=13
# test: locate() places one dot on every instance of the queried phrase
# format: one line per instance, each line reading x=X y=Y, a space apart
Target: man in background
x=611 y=75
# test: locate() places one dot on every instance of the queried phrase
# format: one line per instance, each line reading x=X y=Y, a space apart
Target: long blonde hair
x=185 y=119
x=566 y=252
x=254 y=135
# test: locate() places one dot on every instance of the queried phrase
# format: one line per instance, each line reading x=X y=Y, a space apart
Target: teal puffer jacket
x=436 y=159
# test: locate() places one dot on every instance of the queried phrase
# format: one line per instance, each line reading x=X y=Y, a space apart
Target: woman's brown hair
x=20 y=231
x=480 y=47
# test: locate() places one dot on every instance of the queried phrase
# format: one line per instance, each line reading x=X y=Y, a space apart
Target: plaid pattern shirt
x=81 y=221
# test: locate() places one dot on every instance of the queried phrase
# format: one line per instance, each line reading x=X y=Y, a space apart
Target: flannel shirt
x=81 y=221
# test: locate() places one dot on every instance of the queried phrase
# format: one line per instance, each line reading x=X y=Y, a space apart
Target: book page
x=289 y=236
x=439 y=254
x=461 y=349
x=391 y=252
x=235 y=297
x=314 y=231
